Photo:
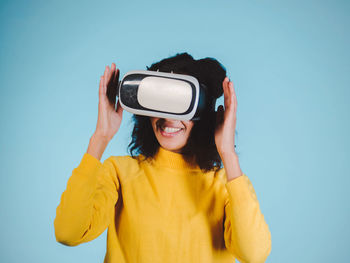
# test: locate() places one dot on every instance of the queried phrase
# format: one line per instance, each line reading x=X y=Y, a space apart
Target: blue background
x=289 y=61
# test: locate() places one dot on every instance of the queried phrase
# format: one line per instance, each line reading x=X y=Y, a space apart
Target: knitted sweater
x=162 y=211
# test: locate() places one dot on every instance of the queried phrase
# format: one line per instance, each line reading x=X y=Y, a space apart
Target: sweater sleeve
x=87 y=205
x=246 y=233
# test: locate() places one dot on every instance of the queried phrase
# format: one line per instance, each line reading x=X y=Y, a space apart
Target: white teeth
x=170 y=129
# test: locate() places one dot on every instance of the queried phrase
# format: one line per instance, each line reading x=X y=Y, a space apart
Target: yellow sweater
x=162 y=211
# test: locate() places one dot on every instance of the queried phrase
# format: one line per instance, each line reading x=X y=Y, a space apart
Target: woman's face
x=172 y=135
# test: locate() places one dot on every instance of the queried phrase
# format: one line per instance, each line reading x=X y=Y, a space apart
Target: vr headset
x=164 y=95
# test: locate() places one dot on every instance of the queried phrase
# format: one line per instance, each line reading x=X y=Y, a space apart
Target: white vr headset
x=163 y=95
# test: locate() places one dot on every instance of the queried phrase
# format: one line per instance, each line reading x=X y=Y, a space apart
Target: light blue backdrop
x=289 y=61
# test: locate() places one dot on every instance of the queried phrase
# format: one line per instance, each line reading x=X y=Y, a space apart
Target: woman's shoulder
x=125 y=160
x=126 y=163
x=220 y=175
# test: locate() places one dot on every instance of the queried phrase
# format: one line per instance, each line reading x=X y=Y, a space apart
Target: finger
x=226 y=94
x=231 y=113
x=105 y=76
x=110 y=76
x=224 y=87
x=111 y=73
x=112 y=87
x=116 y=82
x=100 y=90
x=229 y=101
x=113 y=67
x=234 y=97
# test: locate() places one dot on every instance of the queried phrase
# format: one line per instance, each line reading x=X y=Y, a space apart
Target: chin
x=172 y=135
x=171 y=147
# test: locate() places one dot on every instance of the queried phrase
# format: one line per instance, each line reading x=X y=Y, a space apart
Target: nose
x=170 y=120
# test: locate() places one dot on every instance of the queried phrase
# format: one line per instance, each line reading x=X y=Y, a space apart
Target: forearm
x=247 y=235
x=86 y=205
x=97 y=146
x=231 y=165
x=73 y=214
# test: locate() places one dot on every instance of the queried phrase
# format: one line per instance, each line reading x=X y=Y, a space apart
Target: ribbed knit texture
x=162 y=211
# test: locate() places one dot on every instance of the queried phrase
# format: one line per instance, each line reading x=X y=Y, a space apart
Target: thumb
x=118 y=108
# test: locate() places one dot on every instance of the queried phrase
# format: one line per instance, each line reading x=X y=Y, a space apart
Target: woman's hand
x=226 y=121
x=225 y=132
x=109 y=117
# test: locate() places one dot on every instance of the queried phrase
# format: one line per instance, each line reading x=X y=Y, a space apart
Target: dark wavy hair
x=200 y=148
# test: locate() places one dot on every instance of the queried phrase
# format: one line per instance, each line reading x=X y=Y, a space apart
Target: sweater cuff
x=89 y=164
x=240 y=190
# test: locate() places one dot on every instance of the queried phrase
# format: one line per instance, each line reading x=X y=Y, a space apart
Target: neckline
x=166 y=158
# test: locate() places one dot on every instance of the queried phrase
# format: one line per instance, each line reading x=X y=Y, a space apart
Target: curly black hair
x=200 y=148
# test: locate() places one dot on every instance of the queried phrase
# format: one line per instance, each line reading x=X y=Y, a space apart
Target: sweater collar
x=166 y=158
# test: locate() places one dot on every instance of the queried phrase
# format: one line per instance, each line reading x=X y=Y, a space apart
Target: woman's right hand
x=109 y=117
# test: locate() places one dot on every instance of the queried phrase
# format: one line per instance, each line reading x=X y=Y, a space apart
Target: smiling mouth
x=168 y=131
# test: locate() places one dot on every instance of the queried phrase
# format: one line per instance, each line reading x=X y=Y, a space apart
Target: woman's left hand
x=226 y=121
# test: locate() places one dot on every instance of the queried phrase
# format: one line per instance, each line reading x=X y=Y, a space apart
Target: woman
x=171 y=200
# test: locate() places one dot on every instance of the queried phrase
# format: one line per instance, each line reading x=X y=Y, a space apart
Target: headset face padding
x=163 y=95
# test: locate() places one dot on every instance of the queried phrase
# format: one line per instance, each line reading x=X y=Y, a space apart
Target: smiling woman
x=199 y=147
x=171 y=200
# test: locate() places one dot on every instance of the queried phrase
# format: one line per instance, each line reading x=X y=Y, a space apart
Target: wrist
x=231 y=164
x=97 y=145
